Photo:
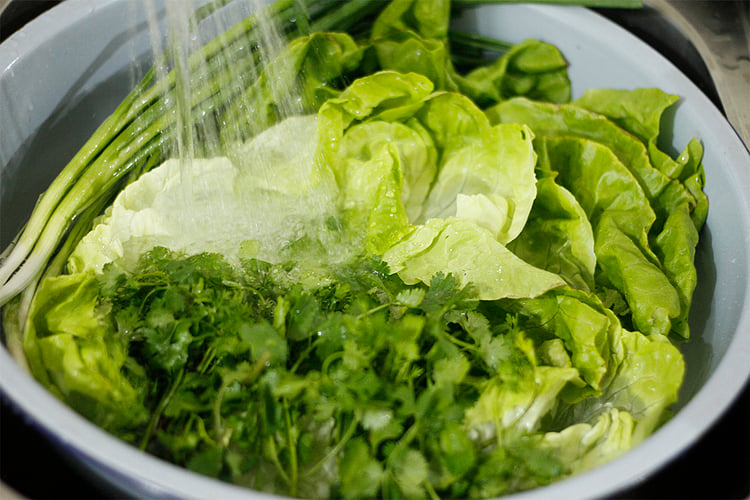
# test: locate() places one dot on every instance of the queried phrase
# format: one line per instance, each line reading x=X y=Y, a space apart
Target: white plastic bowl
x=66 y=71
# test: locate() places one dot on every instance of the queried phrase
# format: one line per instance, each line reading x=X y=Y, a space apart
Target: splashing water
x=224 y=76
x=260 y=176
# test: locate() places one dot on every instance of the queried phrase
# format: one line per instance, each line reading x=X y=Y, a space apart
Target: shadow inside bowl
x=698 y=350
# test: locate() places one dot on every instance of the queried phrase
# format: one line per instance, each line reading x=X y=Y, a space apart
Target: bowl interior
x=96 y=58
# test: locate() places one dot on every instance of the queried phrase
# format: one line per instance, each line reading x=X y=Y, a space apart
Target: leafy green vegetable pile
x=458 y=283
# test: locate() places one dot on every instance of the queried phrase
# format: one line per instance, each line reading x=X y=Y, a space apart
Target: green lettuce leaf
x=511 y=408
x=669 y=254
x=621 y=217
x=473 y=255
x=375 y=177
x=73 y=351
x=532 y=69
x=486 y=173
x=558 y=236
x=373 y=198
x=412 y=36
x=627 y=370
x=638 y=111
x=216 y=208
x=413 y=148
x=547 y=119
x=426 y=18
x=585 y=330
x=643 y=378
x=581 y=447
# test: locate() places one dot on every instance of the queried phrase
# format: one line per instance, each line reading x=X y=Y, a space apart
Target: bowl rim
x=45 y=26
x=117 y=461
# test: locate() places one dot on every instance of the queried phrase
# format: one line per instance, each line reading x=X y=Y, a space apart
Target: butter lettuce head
x=645 y=208
x=262 y=196
x=433 y=185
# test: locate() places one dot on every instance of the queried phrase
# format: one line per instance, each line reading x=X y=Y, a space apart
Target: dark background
x=717 y=467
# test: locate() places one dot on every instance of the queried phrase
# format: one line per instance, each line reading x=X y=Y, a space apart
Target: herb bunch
x=355 y=388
